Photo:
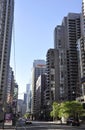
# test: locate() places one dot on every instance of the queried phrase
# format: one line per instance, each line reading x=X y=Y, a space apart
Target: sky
x=33 y=33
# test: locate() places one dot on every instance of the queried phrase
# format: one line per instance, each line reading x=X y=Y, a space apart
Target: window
x=52 y=77
x=62 y=74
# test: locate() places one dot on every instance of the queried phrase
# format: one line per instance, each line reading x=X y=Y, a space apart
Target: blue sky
x=34 y=22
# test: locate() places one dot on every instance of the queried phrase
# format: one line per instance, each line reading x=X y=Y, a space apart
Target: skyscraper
x=10 y=87
x=6 y=22
x=40 y=97
x=28 y=102
x=81 y=47
x=66 y=37
x=52 y=63
x=83 y=17
x=39 y=67
x=60 y=43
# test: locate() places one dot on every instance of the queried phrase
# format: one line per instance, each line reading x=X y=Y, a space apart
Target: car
x=20 y=122
x=73 y=122
x=28 y=122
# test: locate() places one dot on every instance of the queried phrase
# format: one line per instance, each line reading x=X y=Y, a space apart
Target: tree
x=71 y=108
x=67 y=109
x=63 y=112
x=55 y=110
x=26 y=115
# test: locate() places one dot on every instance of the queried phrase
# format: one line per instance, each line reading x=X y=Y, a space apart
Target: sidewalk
x=8 y=128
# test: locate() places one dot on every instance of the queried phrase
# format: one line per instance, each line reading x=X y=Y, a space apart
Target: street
x=37 y=125
x=48 y=126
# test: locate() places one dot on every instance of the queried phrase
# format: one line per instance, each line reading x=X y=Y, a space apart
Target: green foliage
x=72 y=107
x=67 y=109
x=55 y=110
x=51 y=113
x=63 y=111
x=26 y=115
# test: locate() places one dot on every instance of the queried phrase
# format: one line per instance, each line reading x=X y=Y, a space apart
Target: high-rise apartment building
x=81 y=54
x=40 y=98
x=39 y=67
x=10 y=86
x=52 y=63
x=65 y=40
x=6 y=22
x=83 y=18
x=74 y=33
x=61 y=68
x=81 y=49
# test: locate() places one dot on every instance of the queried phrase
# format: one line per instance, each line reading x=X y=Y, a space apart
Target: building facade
x=28 y=92
x=81 y=54
x=6 y=23
x=52 y=63
x=65 y=41
x=60 y=45
x=83 y=18
x=10 y=86
x=40 y=98
x=81 y=49
x=39 y=67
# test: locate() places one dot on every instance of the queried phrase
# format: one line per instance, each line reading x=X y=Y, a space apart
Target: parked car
x=28 y=121
x=73 y=122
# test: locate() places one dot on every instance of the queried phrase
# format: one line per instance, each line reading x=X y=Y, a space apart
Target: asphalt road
x=47 y=126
